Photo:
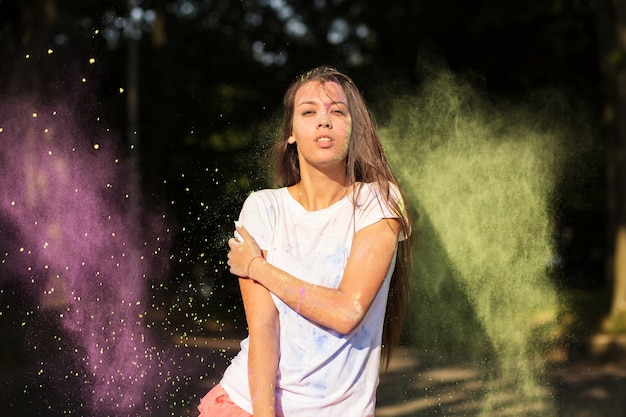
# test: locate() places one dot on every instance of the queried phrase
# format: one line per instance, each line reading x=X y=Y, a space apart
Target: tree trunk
x=618 y=307
x=612 y=41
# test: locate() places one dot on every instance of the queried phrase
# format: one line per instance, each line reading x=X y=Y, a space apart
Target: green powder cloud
x=481 y=176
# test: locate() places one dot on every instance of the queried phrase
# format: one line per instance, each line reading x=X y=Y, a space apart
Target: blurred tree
x=210 y=74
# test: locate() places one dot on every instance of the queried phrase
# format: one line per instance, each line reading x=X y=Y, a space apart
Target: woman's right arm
x=264 y=331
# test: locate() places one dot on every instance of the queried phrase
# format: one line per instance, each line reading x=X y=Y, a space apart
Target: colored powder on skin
x=481 y=177
x=347 y=141
x=73 y=242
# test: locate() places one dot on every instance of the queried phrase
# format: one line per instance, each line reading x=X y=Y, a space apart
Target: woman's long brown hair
x=366 y=163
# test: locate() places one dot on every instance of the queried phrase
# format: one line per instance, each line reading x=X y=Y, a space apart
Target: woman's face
x=322 y=124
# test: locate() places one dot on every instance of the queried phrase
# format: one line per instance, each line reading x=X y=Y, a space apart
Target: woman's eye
x=307 y=112
x=339 y=111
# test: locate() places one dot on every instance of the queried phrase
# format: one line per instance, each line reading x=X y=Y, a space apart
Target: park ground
x=591 y=383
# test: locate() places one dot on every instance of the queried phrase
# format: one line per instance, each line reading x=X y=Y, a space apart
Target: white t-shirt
x=321 y=372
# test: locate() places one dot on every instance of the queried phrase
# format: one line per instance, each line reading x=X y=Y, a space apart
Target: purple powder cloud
x=83 y=244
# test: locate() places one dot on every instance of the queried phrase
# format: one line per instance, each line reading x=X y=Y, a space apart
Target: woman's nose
x=325 y=120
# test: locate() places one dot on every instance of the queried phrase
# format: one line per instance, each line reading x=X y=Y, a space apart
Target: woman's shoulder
x=367 y=191
x=377 y=200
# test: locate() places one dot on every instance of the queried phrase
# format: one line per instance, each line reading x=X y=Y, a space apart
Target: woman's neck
x=320 y=192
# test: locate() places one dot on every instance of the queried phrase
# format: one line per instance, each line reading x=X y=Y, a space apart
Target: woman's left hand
x=242 y=252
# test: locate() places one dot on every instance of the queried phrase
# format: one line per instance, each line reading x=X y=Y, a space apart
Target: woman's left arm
x=341 y=308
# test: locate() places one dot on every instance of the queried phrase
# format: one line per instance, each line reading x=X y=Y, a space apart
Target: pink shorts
x=217 y=403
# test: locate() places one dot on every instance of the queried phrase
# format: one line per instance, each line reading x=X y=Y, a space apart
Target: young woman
x=318 y=260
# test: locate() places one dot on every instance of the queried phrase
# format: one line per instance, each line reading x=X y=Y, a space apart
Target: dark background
x=210 y=74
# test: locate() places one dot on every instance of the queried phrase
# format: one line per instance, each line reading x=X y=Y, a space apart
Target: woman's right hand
x=242 y=252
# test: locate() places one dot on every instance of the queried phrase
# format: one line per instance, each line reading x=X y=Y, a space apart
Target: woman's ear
x=291 y=140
